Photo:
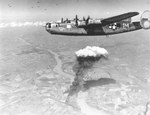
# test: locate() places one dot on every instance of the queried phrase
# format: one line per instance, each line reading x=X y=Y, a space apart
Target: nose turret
x=48 y=26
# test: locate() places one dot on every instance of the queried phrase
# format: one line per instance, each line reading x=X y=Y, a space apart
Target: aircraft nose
x=48 y=25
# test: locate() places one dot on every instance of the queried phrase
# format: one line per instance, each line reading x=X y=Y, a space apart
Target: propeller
x=76 y=20
x=84 y=19
x=62 y=20
x=67 y=20
x=145 y=20
x=87 y=20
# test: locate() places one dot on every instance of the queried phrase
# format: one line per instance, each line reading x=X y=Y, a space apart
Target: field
x=36 y=70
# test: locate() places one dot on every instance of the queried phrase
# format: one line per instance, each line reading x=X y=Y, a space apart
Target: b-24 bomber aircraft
x=112 y=25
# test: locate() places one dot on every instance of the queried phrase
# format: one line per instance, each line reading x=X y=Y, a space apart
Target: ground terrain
x=36 y=70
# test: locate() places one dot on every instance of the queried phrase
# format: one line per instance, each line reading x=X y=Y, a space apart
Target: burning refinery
x=85 y=59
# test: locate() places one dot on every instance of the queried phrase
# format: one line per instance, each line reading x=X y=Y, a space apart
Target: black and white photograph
x=74 y=57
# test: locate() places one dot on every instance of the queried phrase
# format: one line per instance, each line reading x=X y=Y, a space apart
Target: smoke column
x=85 y=59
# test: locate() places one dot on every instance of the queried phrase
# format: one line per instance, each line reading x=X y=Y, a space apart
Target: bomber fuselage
x=98 y=29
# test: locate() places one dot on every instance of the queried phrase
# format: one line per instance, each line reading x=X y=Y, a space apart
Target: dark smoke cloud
x=85 y=59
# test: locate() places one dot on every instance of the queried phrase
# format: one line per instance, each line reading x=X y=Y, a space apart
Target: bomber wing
x=118 y=18
x=111 y=20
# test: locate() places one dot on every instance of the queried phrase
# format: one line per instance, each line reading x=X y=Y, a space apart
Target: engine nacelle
x=145 y=20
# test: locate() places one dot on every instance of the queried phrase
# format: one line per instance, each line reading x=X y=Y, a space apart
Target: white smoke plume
x=92 y=52
x=21 y=24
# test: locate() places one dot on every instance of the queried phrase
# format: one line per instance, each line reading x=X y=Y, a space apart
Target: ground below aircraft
x=112 y=25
